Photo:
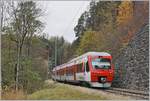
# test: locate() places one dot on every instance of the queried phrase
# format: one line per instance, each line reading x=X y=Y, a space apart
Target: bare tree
x=1 y=14
x=23 y=25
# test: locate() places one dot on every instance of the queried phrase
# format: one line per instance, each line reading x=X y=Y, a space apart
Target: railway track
x=127 y=92
x=138 y=95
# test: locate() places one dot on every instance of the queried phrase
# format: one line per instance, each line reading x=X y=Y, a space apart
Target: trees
x=5 y=13
x=33 y=70
x=125 y=13
x=99 y=23
x=21 y=27
x=101 y=15
x=114 y=21
x=24 y=25
x=62 y=48
x=2 y=14
x=132 y=15
x=81 y=26
x=88 y=42
x=93 y=41
x=32 y=15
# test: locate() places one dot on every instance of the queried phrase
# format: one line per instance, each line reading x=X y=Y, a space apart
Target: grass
x=13 y=95
x=51 y=91
x=62 y=92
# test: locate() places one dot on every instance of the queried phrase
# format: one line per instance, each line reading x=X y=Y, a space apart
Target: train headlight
x=103 y=79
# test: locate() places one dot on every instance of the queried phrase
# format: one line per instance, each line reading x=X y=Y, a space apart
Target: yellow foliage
x=91 y=41
x=125 y=12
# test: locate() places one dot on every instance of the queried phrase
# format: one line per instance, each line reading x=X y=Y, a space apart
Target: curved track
x=127 y=92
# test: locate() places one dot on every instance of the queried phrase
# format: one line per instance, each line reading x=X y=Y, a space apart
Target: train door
x=87 y=76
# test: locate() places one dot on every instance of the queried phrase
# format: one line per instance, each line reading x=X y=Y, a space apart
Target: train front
x=102 y=71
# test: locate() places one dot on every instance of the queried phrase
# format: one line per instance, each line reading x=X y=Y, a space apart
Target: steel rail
x=127 y=92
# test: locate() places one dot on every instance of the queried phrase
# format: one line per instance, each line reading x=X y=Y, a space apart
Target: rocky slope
x=132 y=65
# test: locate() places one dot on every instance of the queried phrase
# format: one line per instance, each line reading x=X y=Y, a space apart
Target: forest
x=28 y=55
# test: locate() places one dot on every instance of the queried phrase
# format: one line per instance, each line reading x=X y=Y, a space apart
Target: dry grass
x=62 y=93
x=14 y=95
x=57 y=91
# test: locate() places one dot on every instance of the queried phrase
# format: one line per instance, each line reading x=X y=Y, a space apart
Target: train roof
x=97 y=54
x=83 y=56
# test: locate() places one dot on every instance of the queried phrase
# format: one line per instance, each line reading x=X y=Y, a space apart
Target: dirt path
x=107 y=95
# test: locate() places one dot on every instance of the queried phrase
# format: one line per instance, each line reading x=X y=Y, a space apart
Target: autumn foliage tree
x=131 y=17
x=99 y=27
x=110 y=24
x=125 y=13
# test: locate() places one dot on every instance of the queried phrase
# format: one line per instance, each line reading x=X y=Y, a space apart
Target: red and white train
x=93 y=68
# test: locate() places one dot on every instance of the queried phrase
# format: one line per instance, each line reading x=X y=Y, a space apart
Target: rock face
x=132 y=65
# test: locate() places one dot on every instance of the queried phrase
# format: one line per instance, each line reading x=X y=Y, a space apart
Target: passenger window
x=79 y=68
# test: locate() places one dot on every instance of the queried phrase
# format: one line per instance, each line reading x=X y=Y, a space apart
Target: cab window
x=101 y=63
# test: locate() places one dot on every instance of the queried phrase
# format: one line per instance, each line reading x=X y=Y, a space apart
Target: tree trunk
x=17 y=69
x=19 y=48
x=28 y=48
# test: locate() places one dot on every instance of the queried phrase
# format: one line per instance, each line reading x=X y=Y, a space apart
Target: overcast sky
x=61 y=17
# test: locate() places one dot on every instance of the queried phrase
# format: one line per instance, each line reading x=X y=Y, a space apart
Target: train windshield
x=101 y=63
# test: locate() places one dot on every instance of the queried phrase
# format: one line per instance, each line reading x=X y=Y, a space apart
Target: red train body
x=94 y=68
